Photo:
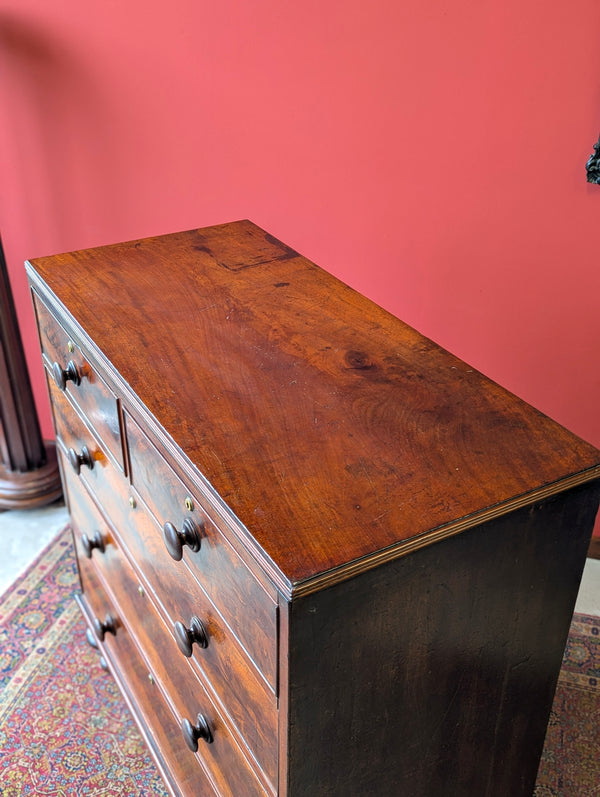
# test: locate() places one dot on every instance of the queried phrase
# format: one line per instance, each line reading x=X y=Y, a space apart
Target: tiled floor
x=588 y=601
x=24 y=533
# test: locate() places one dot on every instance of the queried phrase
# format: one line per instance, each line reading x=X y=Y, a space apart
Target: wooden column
x=29 y=474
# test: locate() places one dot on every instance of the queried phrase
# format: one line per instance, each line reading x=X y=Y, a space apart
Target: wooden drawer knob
x=64 y=375
x=88 y=545
x=191 y=733
x=186 y=637
x=77 y=460
x=109 y=626
x=189 y=535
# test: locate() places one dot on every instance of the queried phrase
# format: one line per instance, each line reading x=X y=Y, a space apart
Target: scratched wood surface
x=316 y=415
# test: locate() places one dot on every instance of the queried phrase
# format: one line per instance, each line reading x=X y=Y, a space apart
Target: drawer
x=250 y=612
x=88 y=392
x=222 y=759
x=105 y=481
x=156 y=721
x=240 y=689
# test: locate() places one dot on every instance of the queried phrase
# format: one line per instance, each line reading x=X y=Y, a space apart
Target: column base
x=33 y=488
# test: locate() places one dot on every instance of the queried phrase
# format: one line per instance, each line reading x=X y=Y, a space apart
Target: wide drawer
x=222 y=758
x=243 y=695
x=156 y=721
x=234 y=590
x=87 y=390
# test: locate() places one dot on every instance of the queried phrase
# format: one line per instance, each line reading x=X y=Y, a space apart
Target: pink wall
x=431 y=154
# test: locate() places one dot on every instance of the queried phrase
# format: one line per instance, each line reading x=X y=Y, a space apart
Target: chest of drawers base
x=320 y=555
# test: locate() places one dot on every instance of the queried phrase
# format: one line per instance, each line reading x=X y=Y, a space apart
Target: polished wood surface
x=320 y=555
x=303 y=404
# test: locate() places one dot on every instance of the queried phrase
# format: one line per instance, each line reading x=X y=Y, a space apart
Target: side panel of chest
x=435 y=674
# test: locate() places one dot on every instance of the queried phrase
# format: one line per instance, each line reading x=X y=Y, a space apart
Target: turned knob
x=64 y=375
x=77 y=460
x=109 y=626
x=191 y=733
x=186 y=637
x=88 y=545
x=189 y=535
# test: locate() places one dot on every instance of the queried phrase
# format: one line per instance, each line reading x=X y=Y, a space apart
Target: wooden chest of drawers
x=320 y=555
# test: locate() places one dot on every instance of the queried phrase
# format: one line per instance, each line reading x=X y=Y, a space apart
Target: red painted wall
x=431 y=154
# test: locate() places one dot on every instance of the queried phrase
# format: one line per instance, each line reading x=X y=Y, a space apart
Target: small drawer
x=156 y=721
x=223 y=759
x=74 y=376
x=250 y=612
x=243 y=693
x=85 y=456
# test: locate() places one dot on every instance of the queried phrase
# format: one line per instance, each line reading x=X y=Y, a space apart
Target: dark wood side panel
x=434 y=675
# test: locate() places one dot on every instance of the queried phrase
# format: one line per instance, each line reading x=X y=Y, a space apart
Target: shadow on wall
x=56 y=133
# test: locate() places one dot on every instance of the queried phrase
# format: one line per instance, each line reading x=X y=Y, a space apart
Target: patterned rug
x=64 y=729
x=570 y=765
x=66 y=732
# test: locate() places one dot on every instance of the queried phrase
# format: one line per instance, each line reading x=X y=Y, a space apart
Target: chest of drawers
x=319 y=554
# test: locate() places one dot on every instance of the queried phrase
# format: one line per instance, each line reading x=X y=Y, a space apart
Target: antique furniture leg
x=29 y=474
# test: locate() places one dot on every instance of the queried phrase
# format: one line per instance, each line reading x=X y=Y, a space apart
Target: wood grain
x=311 y=411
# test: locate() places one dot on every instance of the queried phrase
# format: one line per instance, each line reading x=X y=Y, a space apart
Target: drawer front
x=157 y=723
x=179 y=687
x=238 y=596
x=88 y=392
x=243 y=694
x=75 y=438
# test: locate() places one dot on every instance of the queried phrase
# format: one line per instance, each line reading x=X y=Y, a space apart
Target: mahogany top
x=331 y=429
